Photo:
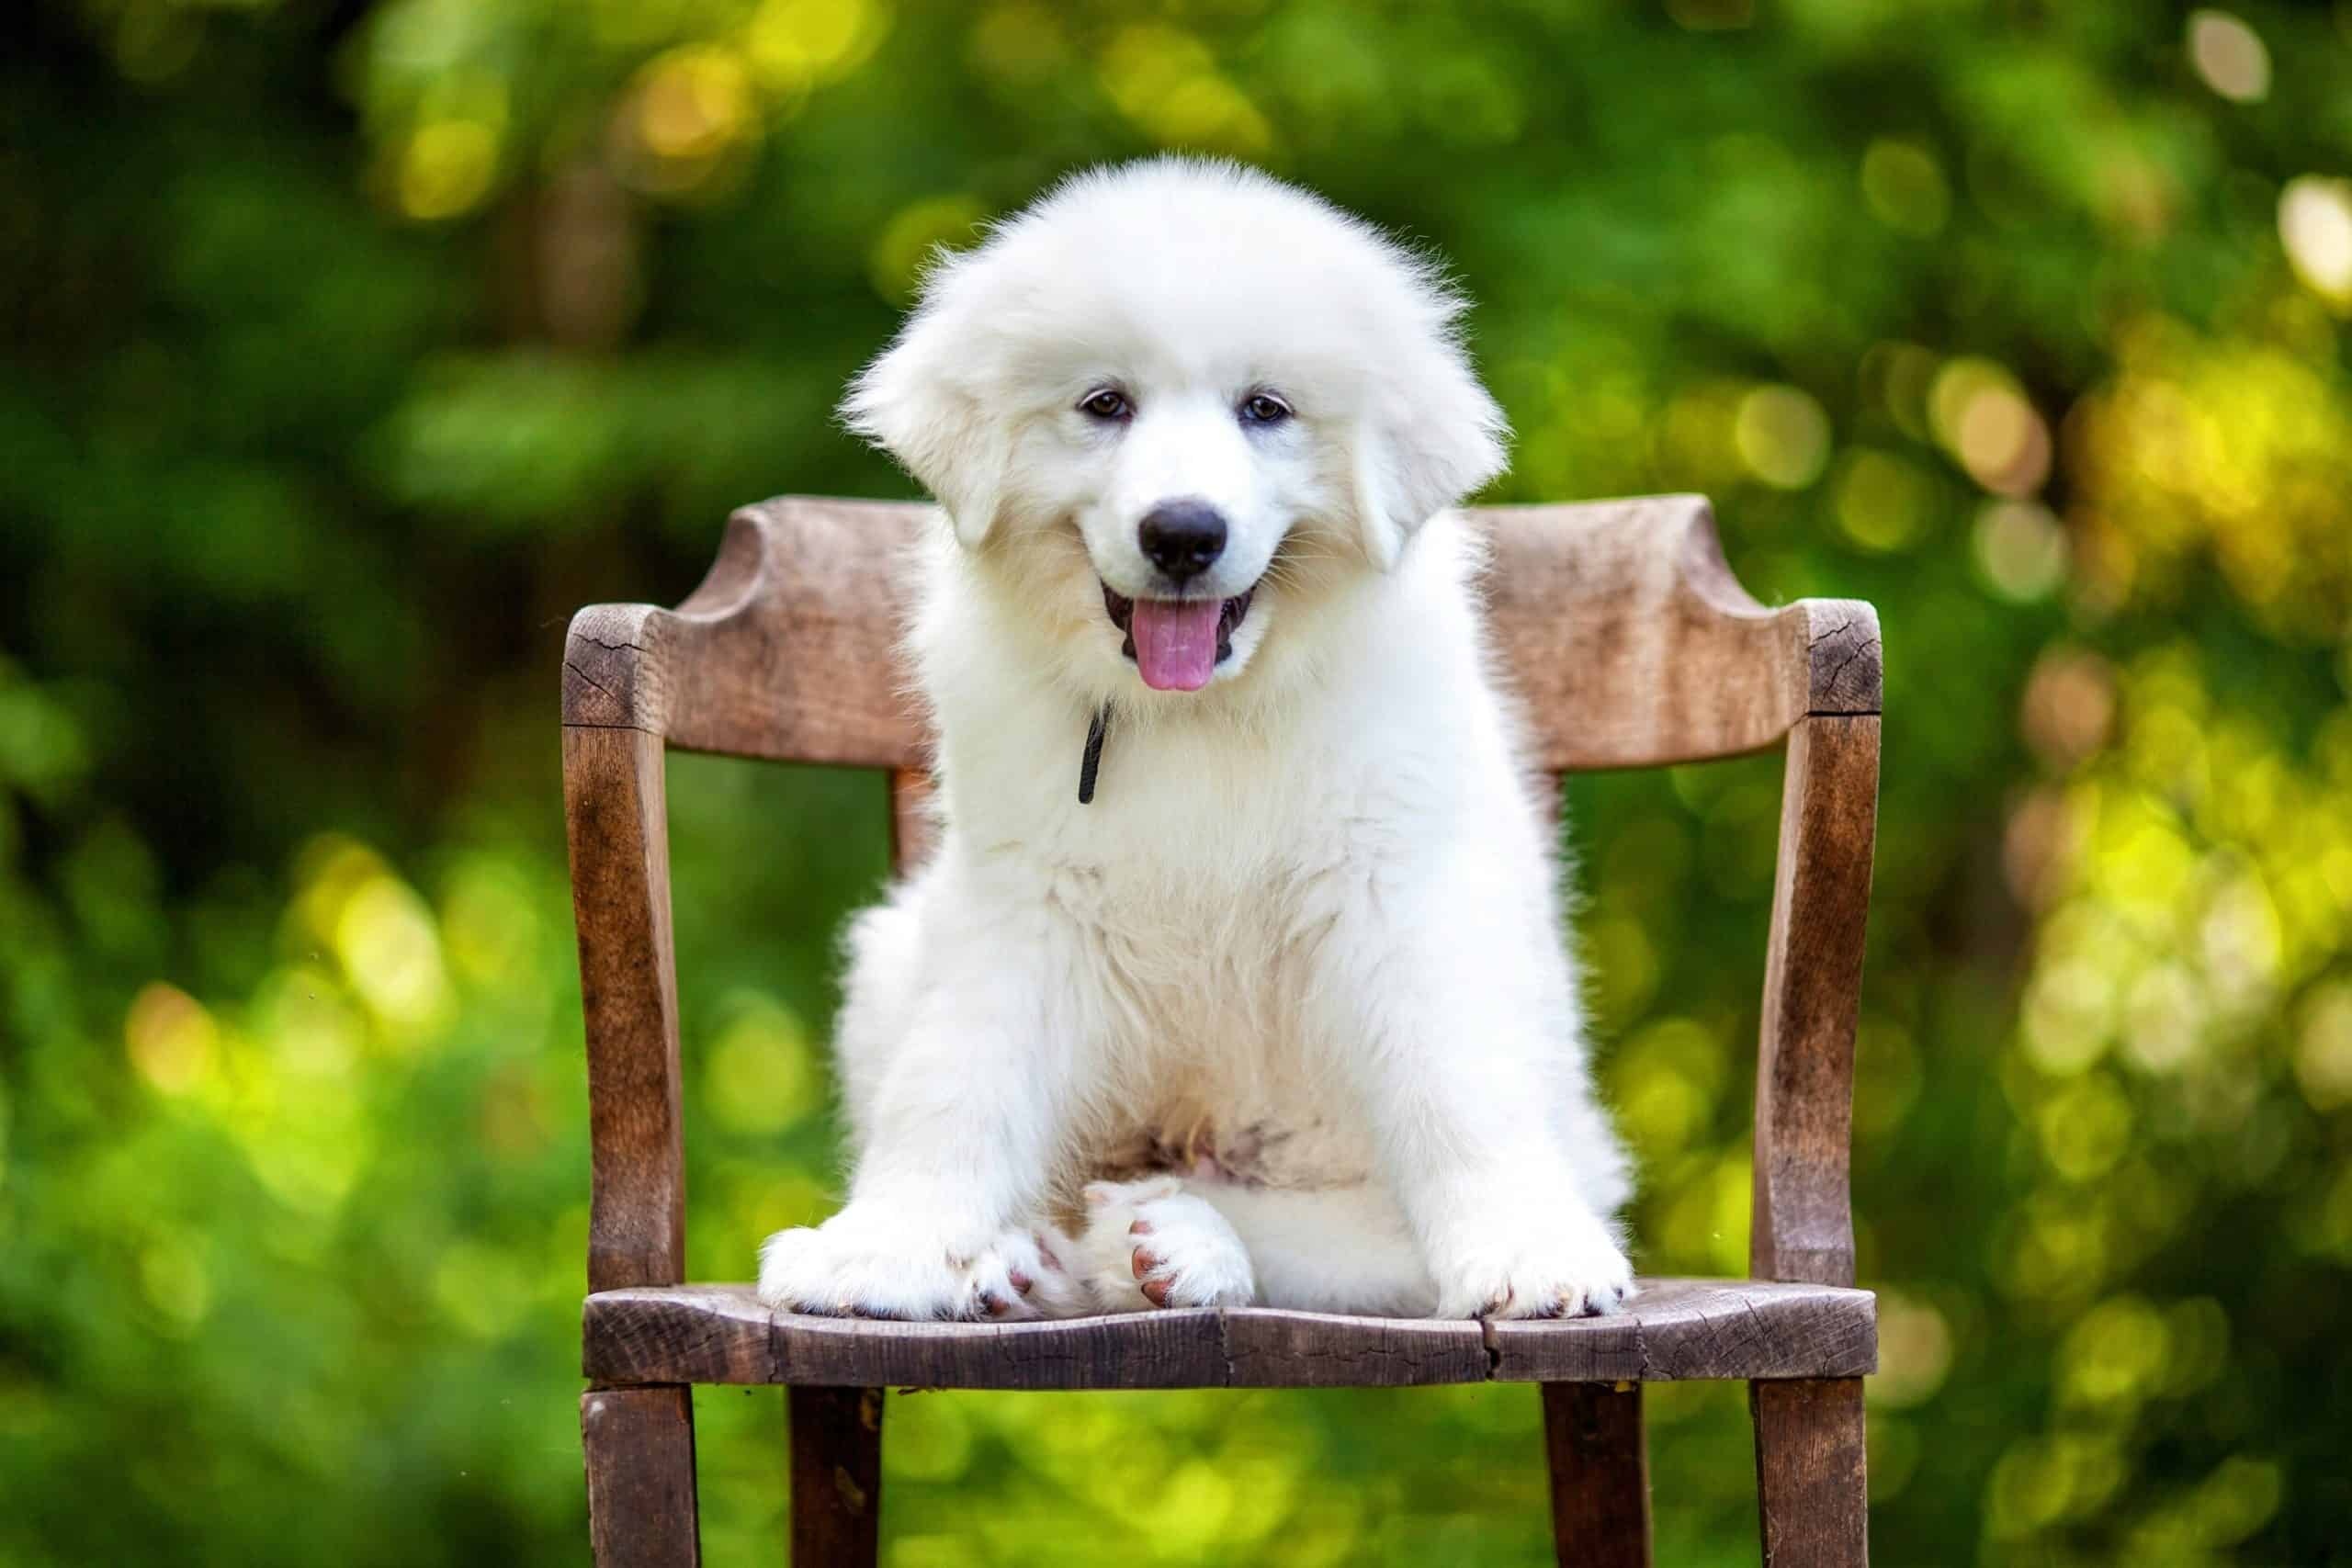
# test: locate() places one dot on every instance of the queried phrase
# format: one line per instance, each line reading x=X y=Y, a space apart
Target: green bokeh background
x=348 y=348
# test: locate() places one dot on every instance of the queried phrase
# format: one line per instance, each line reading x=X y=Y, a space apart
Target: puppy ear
x=912 y=404
x=1428 y=440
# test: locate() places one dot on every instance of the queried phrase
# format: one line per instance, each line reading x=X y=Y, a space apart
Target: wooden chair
x=1632 y=646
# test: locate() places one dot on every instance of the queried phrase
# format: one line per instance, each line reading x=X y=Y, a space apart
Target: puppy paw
x=1022 y=1276
x=1151 y=1244
x=857 y=1265
x=1575 y=1270
x=862 y=1264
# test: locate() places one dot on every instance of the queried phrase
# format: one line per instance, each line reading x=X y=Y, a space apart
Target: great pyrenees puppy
x=1238 y=973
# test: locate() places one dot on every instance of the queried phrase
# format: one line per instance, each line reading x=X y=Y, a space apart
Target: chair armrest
x=618 y=821
x=1802 y=1222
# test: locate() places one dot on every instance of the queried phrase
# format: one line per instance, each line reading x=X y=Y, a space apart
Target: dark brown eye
x=1107 y=404
x=1264 y=408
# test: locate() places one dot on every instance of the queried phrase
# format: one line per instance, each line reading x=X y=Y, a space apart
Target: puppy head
x=1204 y=375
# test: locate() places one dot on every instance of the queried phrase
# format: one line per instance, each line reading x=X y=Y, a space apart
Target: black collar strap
x=1091 y=761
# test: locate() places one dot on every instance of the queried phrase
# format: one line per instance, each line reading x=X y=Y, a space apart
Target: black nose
x=1183 y=537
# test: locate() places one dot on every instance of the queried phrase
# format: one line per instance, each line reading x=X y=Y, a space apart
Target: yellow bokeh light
x=2115 y=1353
x=447 y=168
x=692 y=103
x=2323 y=1047
x=1782 y=435
x=2085 y=1127
x=2164 y=1017
x=795 y=44
x=2069 y=706
x=386 y=939
x=1982 y=418
x=2020 y=549
x=1882 y=502
x=2315 y=225
x=173 y=1040
x=2229 y=55
x=1166 y=81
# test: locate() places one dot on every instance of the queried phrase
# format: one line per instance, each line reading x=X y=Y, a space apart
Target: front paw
x=854 y=1265
x=862 y=1264
x=1546 y=1270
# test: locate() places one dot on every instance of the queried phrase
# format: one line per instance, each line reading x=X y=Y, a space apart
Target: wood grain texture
x=1599 y=1466
x=1802 y=1226
x=1623 y=631
x=617 y=820
x=1677 y=1330
x=615 y=667
x=706 y=1334
x=836 y=1467
x=640 y=1447
x=1266 y=1347
x=1811 y=1486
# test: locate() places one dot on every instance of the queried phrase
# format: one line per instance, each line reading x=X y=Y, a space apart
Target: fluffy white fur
x=1285 y=1015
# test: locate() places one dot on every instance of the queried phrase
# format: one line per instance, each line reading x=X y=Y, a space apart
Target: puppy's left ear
x=1428 y=439
x=912 y=403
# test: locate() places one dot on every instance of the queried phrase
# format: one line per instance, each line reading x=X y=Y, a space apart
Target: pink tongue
x=1176 y=642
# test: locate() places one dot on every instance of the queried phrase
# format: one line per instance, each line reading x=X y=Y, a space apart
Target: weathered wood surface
x=1600 y=1474
x=617 y=823
x=1631 y=644
x=640 y=1447
x=1803 y=1224
x=1811 y=1489
x=836 y=1440
x=1677 y=1330
x=1625 y=633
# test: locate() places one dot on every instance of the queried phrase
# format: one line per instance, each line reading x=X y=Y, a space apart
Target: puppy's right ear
x=912 y=404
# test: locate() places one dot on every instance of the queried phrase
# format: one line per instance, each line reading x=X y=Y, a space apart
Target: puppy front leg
x=1464 y=1038
x=957 y=1133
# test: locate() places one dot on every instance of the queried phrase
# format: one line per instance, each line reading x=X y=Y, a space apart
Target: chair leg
x=1811 y=1480
x=640 y=1443
x=836 y=1476
x=1600 y=1474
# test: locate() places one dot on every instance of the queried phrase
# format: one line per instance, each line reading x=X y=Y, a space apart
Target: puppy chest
x=1213 y=1061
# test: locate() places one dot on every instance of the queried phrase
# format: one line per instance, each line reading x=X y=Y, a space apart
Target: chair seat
x=1674 y=1329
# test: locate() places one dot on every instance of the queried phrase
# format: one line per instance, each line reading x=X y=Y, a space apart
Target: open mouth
x=1177 y=644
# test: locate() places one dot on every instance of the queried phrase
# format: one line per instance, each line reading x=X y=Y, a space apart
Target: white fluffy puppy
x=1283 y=1014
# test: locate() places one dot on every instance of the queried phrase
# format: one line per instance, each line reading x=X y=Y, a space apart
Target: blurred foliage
x=348 y=348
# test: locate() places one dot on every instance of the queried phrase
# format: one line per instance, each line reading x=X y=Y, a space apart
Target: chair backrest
x=1627 y=637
